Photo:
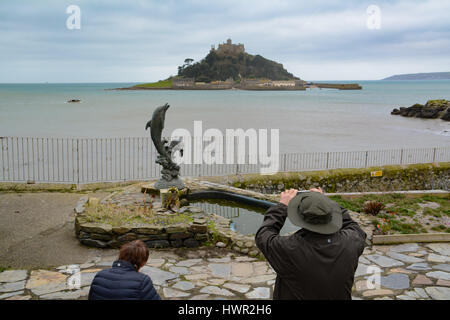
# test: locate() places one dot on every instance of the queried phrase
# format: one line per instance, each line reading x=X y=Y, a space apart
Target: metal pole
x=18 y=158
x=367 y=157
x=3 y=158
x=32 y=161
x=78 y=164
x=13 y=153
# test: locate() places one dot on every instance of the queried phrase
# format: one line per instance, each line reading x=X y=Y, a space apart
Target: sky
x=143 y=41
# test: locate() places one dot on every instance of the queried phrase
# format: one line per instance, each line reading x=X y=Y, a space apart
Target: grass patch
x=350 y=204
x=390 y=201
x=396 y=203
x=159 y=84
x=390 y=226
x=403 y=214
x=432 y=212
x=407 y=228
x=4 y=269
x=441 y=228
x=129 y=215
x=213 y=234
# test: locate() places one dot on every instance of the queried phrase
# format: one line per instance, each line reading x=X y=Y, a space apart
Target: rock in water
x=433 y=109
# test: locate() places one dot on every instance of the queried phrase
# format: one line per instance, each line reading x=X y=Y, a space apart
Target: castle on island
x=263 y=66
x=228 y=48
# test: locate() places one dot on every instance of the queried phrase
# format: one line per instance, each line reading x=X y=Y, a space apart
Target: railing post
x=328 y=158
x=434 y=154
x=3 y=158
x=401 y=156
x=78 y=165
x=367 y=158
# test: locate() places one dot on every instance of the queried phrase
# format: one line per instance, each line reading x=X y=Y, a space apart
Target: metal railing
x=221 y=210
x=87 y=160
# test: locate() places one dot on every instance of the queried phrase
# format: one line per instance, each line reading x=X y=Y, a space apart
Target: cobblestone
x=224 y=274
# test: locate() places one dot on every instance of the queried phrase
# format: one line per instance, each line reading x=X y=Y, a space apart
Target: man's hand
x=319 y=189
x=287 y=195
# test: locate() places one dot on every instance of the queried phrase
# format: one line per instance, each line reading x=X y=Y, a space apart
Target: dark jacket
x=311 y=265
x=122 y=282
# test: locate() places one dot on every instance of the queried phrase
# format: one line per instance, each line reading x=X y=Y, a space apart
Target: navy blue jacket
x=122 y=282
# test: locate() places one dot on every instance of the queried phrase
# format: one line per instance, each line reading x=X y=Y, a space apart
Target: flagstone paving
x=408 y=272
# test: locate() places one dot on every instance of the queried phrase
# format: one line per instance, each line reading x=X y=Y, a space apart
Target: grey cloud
x=146 y=40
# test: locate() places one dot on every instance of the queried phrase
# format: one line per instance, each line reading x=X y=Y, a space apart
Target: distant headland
x=421 y=76
x=229 y=66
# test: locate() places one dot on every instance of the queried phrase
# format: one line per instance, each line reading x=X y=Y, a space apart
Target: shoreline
x=210 y=88
x=339 y=86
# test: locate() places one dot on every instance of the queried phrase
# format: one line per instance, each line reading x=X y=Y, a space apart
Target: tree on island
x=188 y=61
x=222 y=67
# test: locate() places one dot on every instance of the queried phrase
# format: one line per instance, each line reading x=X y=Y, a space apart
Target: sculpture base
x=163 y=184
x=150 y=189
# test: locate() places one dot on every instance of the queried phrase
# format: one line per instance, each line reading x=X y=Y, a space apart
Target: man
x=124 y=281
x=319 y=261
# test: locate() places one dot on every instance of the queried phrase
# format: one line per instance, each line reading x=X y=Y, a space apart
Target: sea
x=308 y=121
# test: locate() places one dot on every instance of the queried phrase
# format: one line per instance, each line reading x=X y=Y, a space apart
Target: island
x=421 y=76
x=229 y=66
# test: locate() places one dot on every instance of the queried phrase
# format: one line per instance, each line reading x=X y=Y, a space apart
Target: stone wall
x=222 y=236
x=205 y=229
x=394 y=178
x=101 y=235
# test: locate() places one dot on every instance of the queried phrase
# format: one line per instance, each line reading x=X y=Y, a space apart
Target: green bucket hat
x=315 y=212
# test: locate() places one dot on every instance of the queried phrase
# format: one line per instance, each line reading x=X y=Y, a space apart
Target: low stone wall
x=407 y=177
x=205 y=229
x=222 y=236
x=102 y=235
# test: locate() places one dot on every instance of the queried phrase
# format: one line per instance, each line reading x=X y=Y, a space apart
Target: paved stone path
x=408 y=272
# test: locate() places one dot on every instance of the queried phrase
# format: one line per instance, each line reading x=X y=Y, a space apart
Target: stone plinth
x=150 y=189
x=155 y=187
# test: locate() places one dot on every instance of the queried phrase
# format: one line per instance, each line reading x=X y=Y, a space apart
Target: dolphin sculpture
x=156 y=125
x=171 y=171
